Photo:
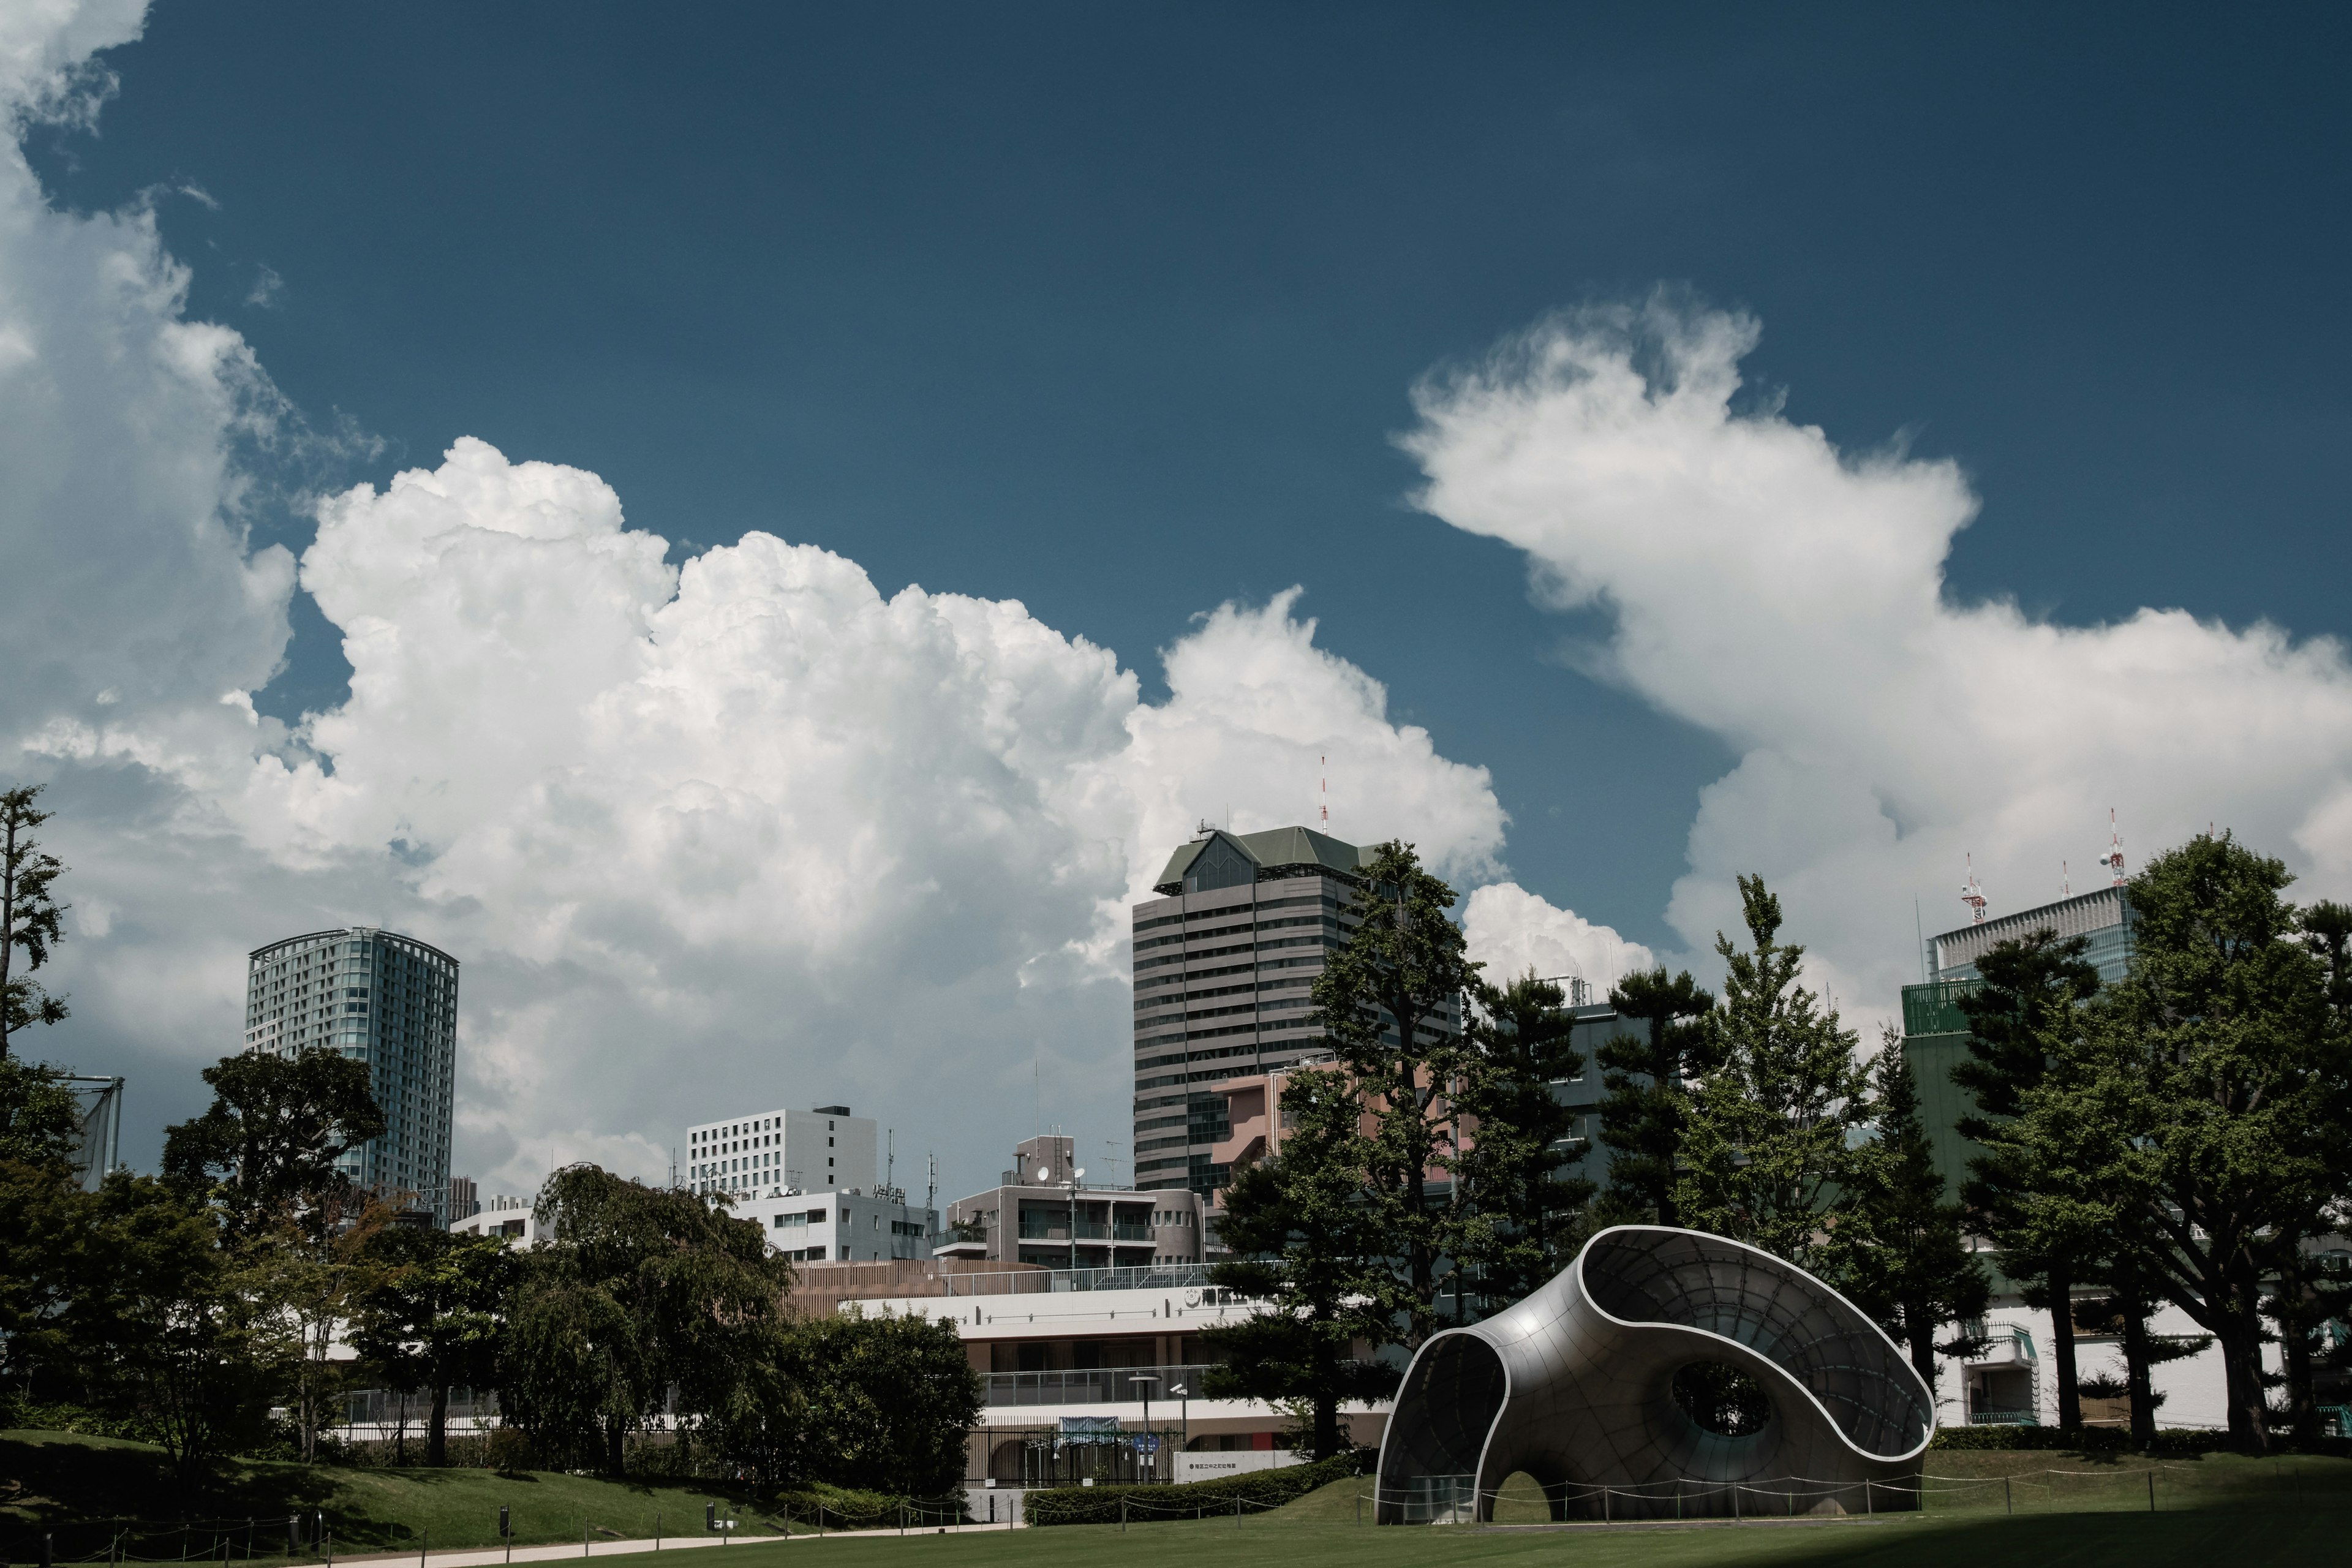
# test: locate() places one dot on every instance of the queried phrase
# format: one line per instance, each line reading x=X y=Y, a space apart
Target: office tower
x=1223 y=961
x=462 y=1201
x=765 y=1152
x=391 y=1002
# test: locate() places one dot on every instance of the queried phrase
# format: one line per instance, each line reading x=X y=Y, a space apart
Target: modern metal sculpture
x=1577 y=1387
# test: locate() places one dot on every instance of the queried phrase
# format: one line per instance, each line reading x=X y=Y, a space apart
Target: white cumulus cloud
x=1514 y=931
x=1788 y=597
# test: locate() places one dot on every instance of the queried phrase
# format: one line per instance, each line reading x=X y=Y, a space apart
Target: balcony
x=1087 y=1230
x=2003 y=1418
x=1101 y=1386
x=2007 y=1346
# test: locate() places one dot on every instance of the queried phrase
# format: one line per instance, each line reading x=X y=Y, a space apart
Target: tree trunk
x=2294 y=1349
x=437 y=1431
x=614 y=1465
x=2136 y=1372
x=1919 y=1335
x=2241 y=1361
x=399 y=1431
x=2061 y=1347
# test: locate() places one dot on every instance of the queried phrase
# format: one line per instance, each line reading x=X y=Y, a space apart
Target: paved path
x=493 y=1556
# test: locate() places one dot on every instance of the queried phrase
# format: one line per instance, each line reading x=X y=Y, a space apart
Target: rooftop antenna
x=2114 y=859
x=931 y=1190
x=2066 y=881
x=1972 y=895
x=890 y=1158
x=1326 y=763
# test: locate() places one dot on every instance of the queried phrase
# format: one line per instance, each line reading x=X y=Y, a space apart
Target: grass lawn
x=77 y=1487
x=2056 y=1510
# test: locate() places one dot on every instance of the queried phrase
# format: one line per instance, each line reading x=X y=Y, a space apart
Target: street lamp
x=1185 y=1442
x=1146 y=1378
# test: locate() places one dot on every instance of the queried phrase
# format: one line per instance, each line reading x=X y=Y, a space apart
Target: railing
x=2003 y=1418
x=1087 y=1230
x=1184 y=1276
x=1096 y=1386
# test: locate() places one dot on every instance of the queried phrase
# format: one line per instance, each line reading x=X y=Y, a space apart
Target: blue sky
x=1118 y=312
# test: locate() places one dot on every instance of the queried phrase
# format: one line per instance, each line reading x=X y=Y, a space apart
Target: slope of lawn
x=84 y=1490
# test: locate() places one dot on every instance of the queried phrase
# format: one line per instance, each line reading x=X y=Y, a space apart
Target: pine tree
x=2208 y=1101
x=1648 y=1076
x=1901 y=1244
x=2027 y=1006
x=29 y=915
x=1516 y=1217
x=1766 y=1147
x=1303 y=1244
x=1390 y=999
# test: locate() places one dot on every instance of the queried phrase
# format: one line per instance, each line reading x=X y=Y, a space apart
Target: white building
x=823 y=1151
x=511 y=1218
x=841 y=1227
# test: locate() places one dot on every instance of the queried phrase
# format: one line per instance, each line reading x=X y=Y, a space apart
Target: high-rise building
x=765 y=1152
x=1225 y=959
x=1935 y=1030
x=391 y=1002
x=462 y=1201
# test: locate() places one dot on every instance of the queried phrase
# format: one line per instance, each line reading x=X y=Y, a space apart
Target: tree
x=40 y=1121
x=309 y=1264
x=1389 y=998
x=888 y=1402
x=29 y=915
x=1765 y=1144
x=170 y=1326
x=277 y=1125
x=1648 y=1076
x=434 y=1316
x=1901 y=1246
x=1304 y=1243
x=632 y=1292
x=2027 y=1010
x=2210 y=1100
x=1516 y=1219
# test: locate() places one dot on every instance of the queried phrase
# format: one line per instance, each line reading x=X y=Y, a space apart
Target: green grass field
x=2057 y=1511
x=81 y=1489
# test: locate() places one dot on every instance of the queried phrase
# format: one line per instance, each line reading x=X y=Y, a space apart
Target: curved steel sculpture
x=1575 y=1385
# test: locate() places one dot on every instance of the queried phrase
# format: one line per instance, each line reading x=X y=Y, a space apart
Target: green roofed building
x=1225 y=959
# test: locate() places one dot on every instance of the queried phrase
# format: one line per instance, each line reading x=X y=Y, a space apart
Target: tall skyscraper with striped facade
x=392 y=1002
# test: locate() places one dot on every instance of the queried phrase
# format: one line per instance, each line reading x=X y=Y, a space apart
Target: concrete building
x=843 y=1226
x=766 y=1151
x=389 y=1001
x=1225 y=958
x=511 y=1218
x=1092 y=1374
x=462 y=1201
x=1043 y=1213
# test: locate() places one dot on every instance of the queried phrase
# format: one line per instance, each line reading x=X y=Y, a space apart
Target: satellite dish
x=1080 y=1173
x=1044 y=1174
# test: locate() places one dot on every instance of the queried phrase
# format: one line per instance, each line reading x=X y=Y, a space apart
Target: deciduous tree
x=276 y=1126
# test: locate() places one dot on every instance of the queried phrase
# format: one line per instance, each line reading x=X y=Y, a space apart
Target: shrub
x=2170 y=1442
x=1253 y=1489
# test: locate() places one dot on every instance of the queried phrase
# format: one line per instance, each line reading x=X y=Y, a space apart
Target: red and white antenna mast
x=2114 y=859
x=1327 y=791
x=2066 y=881
x=1972 y=895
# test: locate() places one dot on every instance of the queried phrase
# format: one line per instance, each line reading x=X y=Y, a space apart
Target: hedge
x=2171 y=1442
x=1252 y=1490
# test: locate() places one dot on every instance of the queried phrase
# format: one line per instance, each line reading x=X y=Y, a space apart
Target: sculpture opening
x=1722 y=1399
